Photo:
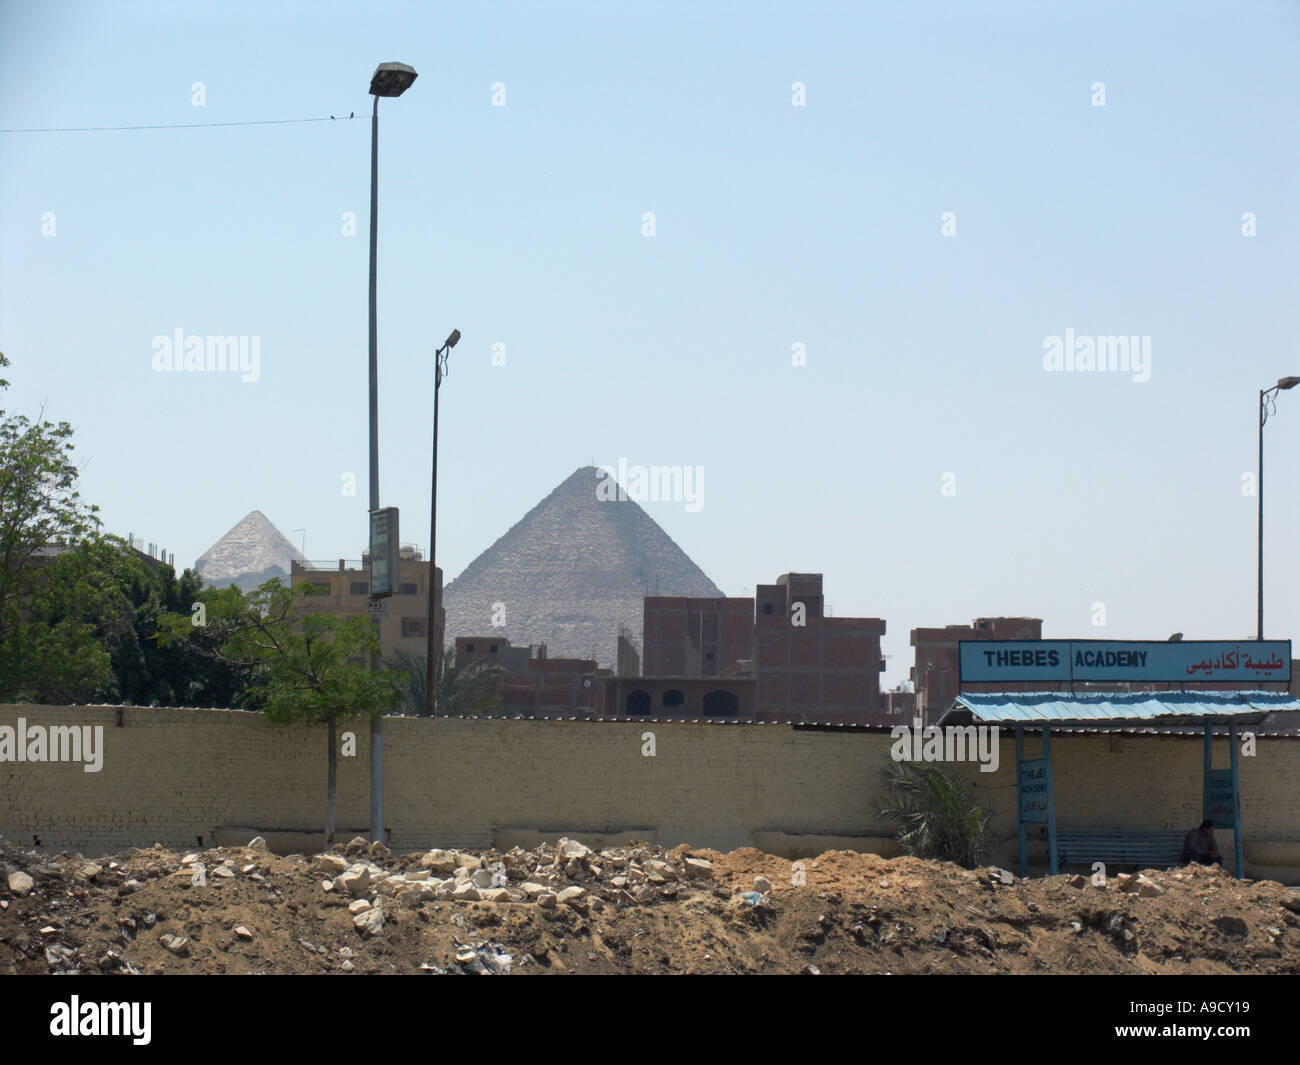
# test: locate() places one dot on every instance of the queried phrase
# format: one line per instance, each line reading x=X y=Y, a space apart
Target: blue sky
x=775 y=225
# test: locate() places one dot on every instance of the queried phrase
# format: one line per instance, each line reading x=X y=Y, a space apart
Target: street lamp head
x=454 y=339
x=1288 y=382
x=391 y=79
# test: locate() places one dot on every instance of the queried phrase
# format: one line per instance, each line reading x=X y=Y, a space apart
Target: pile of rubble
x=567 y=874
x=640 y=908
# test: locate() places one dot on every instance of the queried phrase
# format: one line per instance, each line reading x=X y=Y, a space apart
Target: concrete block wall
x=175 y=775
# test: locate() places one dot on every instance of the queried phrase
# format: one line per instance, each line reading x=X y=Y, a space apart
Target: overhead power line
x=183 y=125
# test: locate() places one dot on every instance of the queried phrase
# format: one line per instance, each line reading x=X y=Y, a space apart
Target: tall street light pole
x=389 y=79
x=1267 y=399
x=439 y=372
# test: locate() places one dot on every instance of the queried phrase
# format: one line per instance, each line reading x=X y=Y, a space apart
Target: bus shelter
x=1044 y=711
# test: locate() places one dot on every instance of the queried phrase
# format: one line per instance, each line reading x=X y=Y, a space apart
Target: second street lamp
x=389 y=79
x=440 y=358
x=1267 y=400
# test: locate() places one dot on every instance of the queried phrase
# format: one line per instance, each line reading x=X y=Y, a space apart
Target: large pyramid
x=570 y=572
x=251 y=553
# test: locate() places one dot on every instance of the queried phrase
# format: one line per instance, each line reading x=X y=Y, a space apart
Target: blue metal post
x=1051 y=800
x=1020 y=812
x=1209 y=765
x=1236 y=801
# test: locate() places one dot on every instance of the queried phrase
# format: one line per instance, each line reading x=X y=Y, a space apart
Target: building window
x=469 y=648
x=412 y=627
x=673 y=697
x=721 y=704
x=407 y=589
x=492 y=649
x=767 y=608
x=638 y=702
x=321 y=587
x=360 y=587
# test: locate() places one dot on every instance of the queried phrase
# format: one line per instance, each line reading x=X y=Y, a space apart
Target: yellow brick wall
x=172 y=776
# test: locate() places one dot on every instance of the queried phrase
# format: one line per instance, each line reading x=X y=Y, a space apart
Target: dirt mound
x=633 y=909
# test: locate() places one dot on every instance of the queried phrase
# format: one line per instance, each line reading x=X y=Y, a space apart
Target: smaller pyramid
x=250 y=554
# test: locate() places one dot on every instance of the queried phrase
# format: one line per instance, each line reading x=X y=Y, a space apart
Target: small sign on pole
x=383 y=551
x=1033 y=791
x=1220 y=793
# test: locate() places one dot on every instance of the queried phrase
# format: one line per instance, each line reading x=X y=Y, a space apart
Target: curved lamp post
x=440 y=358
x=1267 y=401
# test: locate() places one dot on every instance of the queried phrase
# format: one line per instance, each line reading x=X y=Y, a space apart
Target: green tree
x=474 y=688
x=935 y=813
x=304 y=666
x=49 y=645
x=147 y=673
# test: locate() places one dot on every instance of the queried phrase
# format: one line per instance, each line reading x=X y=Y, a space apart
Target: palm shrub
x=474 y=688
x=935 y=813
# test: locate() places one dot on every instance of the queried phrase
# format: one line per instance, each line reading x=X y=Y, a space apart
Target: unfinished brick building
x=533 y=684
x=934 y=674
x=773 y=657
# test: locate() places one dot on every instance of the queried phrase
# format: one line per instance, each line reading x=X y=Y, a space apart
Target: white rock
x=481 y=878
x=223 y=871
x=357 y=906
x=762 y=885
x=178 y=945
x=416 y=875
x=531 y=889
x=570 y=848
x=546 y=900
x=331 y=863
x=663 y=869
x=257 y=843
x=242 y=932
x=465 y=892
x=354 y=882
x=20 y=883
x=697 y=868
x=190 y=859
x=571 y=894
x=439 y=861
x=370 y=921
x=495 y=894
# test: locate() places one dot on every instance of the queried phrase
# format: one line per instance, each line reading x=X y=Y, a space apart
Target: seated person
x=1200 y=847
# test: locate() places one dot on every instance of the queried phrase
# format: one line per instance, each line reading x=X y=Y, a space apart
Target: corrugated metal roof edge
x=850 y=726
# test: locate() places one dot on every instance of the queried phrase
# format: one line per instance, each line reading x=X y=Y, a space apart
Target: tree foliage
x=935 y=813
x=474 y=688
x=78 y=609
x=48 y=645
x=303 y=665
